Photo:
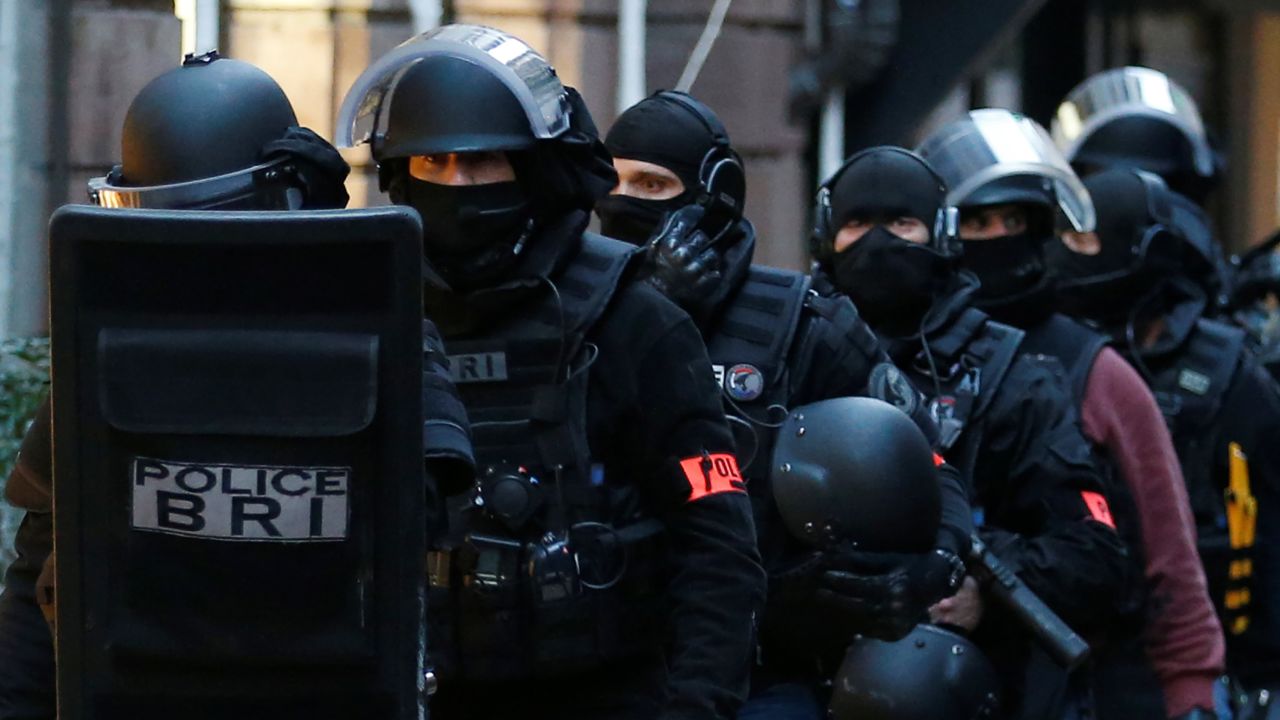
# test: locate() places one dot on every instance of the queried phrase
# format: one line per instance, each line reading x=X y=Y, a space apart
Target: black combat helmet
x=214 y=133
x=931 y=674
x=457 y=88
x=994 y=156
x=857 y=472
x=1137 y=117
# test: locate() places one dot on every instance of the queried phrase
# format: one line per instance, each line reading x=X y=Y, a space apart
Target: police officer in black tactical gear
x=604 y=563
x=1222 y=407
x=212 y=134
x=775 y=345
x=1255 y=300
x=1137 y=117
x=885 y=236
x=1011 y=206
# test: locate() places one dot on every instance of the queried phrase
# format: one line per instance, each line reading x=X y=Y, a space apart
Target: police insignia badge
x=744 y=382
x=887 y=383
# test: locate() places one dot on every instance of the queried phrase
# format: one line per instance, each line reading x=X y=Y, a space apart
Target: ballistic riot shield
x=238 y=464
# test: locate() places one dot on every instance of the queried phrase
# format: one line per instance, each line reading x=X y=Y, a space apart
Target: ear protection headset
x=722 y=182
x=946 y=224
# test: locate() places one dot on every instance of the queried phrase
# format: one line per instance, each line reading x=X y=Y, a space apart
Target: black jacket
x=652 y=401
x=1030 y=473
x=1027 y=464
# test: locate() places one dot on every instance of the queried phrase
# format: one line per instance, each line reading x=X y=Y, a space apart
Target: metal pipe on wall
x=831 y=136
x=631 y=52
x=426 y=14
x=208 y=25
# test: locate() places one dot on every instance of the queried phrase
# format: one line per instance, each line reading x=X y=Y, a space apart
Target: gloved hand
x=320 y=168
x=884 y=595
x=682 y=264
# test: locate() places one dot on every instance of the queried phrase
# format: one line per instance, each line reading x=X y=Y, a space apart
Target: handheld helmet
x=931 y=674
x=856 y=471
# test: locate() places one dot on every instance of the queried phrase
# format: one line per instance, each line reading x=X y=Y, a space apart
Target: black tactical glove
x=318 y=164
x=682 y=264
x=884 y=595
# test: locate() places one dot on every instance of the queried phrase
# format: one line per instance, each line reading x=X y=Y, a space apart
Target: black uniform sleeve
x=957 y=515
x=27 y=685
x=679 y=447
x=26 y=644
x=30 y=483
x=1046 y=513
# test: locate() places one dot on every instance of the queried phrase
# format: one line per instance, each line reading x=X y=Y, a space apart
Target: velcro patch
x=710 y=474
x=1098 y=508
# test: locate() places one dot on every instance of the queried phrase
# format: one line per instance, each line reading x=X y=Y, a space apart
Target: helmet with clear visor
x=193 y=138
x=456 y=88
x=1134 y=116
x=995 y=156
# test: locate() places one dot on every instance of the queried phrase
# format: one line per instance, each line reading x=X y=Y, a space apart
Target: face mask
x=892 y=281
x=1007 y=266
x=632 y=219
x=1089 y=288
x=471 y=234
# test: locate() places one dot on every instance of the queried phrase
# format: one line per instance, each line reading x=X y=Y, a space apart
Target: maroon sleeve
x=1184 y=642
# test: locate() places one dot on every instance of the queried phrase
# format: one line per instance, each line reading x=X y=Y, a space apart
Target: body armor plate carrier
x=749 y=348
x=546 y=570
x=971 y=359
x=1191 y=391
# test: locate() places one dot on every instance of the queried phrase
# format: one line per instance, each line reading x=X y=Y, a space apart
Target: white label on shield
x=263 y=503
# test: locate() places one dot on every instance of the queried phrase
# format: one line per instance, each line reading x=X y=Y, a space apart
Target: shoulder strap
x=998 y=348
x=759 y=324
x=592 y=278
x=1073 y=344
x=985 y=360
x=1191 y=390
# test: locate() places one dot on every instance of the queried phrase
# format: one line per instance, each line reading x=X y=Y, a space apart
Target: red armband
x=709 y=474
x=1098 y=508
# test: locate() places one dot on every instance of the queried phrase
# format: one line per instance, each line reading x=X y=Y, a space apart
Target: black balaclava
x=893 y=282
x=657 y=130
x=474 y=236
x=1016 y=285
x=1139 y=251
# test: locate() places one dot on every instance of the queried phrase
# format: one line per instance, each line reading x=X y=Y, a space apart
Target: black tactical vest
x=1076 y=347
x=1191 y=387
x=969 y=362
x=1073 y=344
x=544 y=564
x=749 y=349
